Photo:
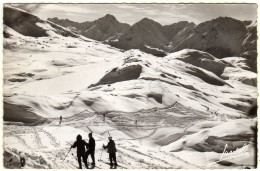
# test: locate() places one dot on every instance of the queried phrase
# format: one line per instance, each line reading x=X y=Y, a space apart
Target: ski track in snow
x=52 y=138
x=22 y=141
x=133 y=153
x=126 y=155
x=38 y=139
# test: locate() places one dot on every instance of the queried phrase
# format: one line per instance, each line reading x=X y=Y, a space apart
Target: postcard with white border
x=129 y=85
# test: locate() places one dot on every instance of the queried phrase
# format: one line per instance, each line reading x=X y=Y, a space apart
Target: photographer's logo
x=232 y=154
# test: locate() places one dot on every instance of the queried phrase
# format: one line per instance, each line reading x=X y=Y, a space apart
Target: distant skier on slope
x=104 y=118
x=60 y=119
x=22 y=159
x=91 y=148
x=111 y=149
x=80 y=144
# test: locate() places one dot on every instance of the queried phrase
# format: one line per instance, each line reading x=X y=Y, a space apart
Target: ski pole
x=66 y=156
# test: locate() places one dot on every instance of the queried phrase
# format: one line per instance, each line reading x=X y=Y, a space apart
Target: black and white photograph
x=129 y=85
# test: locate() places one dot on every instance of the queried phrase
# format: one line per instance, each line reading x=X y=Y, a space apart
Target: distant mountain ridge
x=147 y=35
x=221 y=37
x=100 y=29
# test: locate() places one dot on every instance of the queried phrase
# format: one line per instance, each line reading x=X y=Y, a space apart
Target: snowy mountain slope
x=235 y=137
x=53 y=62
x=127 y=71
x=146 y=103
x=187 y=71
x=214 y=135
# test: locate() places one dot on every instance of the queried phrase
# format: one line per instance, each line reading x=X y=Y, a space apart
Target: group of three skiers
x=82 y=154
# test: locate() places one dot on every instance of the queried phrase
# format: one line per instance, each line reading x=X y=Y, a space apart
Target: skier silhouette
x=80 y=144
x=111 y=149
x=91 y=148
x=60 y=119
x=22 y=159
x=104 y=118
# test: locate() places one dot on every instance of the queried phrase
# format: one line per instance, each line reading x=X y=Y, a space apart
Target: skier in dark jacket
x=80 y=144
x=111 y=149
x=22 y=159
x=60 y=119
x=91 y=148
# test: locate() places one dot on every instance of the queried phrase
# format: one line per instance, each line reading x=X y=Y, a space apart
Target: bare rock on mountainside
x=150 y=36
x=116 y=75
x=100 y=29
x=143 y=33
x=220 y=37
x=105 y=27
x=23 y=22
x=28 y=24
x=175 y=29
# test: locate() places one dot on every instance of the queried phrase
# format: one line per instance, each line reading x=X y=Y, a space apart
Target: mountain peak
x=147 y=21
x=109 y=16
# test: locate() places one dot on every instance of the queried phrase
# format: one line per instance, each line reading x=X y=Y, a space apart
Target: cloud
x=66 y=8
x=27 y=7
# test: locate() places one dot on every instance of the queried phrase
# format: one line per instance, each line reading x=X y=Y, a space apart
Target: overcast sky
x=131 y=13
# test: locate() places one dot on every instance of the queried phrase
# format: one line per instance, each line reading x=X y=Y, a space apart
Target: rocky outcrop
x=117 y=75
